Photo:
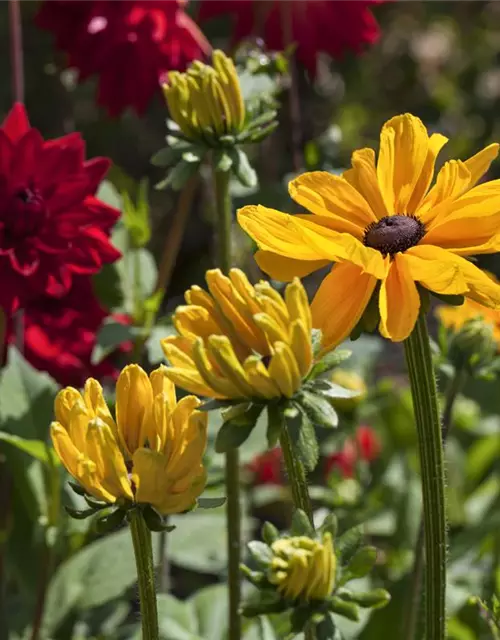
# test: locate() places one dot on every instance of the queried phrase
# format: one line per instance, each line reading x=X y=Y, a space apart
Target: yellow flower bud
x=353 y=382
x=303 y=568
x=239 y=341
x=152 y=454
x=206 y=99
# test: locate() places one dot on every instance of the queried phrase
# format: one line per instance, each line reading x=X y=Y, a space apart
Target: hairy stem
x=143 y=551
x=232 y=471
x=296 y=475
x=425 y=406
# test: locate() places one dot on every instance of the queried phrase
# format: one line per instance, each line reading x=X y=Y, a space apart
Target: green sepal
x=110 y=522
x=213 y=403
x=263 y=133
x=79 y=514
x=318 y=409
x=222 y=160
x=349 y=543
x=257 y=578
x=302 y=434
x=360 y=564
x=330 y=525
x=453 y=300
x=299 y=618
x=242 y=168
x=210 y=503
x=269 y=533
x=168 y=156
x=301 y=525
x=374 y=599
x=326 y=630
x=179 y=175
x=316 y=338
x=77 y=488
x=264 y=606
x=274 y=424
x=94 y=504
x=348 y=610
x=329 y=361
x=155 y=521
x=237 y=429
x=260 y=552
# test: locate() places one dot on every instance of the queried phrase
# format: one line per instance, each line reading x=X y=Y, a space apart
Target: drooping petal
x=340 y=302
x=399 y=301
x=479 y=164
x=404 y=145
x=285 y=269
x=432 y=267
x=363 y=177
x=325 y=194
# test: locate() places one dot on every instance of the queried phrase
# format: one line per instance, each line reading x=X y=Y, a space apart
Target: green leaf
x=332 y=390
x=274 y=424
x=361 y=563
x=210 y=610
x=211 y=503
x=236 y=430
x=214 y=403
x=110 y=337
x=301 y=525
x=110 y=522
x=318 y=410
x=154 y=520
x=79 y=514
x=303 y=436
x=222 y=160
x=34 y=448
x=330 y=525
x=179 y=175
x=167 y=156
x=348 y=544
x=348 y=610
x=242 y=168
x=329 y=361
x=260 y=552
x=136 y=216
x=326 y=629
x=374 y=599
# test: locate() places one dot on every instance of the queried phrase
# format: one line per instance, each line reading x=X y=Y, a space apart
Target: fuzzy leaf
x=236 y=430
x=318 y=410
x=261 y=552
x=301 y=525
x=211 y=503
x=331 y=360
x=303 y=436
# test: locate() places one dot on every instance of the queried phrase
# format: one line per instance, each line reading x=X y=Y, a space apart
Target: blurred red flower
x=129 y=44
x=51 y=225
x=364 y=446
x=267 y=468
x=329 y=26
x=59 y=335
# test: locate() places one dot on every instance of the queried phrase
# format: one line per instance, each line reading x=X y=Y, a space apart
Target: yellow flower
x=353 y=382
x=303 y=568
x=240 y=341
x=206 y=98
x=381 y=223
x=152 y=454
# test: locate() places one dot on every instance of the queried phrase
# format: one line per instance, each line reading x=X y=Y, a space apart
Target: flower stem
x=232 y=471
x=425 y=406
x=16 y=50
x=143 y=551
x=411 y=619
x=296 y=475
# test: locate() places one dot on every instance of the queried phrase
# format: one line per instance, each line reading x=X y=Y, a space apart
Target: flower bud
x=352 y=381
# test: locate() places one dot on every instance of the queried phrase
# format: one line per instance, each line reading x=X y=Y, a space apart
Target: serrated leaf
x=348 y=543
x=236 y=430
x=303 y=436
x=330 y=525
x=318 y=409
x=329 y=361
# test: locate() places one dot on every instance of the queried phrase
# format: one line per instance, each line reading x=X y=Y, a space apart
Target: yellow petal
x=284 y=370
x=479 y=164
x=259 y=378
x=404 y=145
x=298 y=304
x=96 y=404
x=272 y=329
x=77 y=425
x=340 y=302
x=436 y=143
x=272 y=303
x=276 y=232
x=64 y=402
x=222 y=352
x=188 y=441
x=432 y=268
x=161 y=384
x=191 y=380
x=325 y=194
x=482 y=288
x=286 y=269
x=193 y=321
x=399 y=301
x=363 y=177
x=134 y=406
x=452 y=181
x=301 y=346
x=220 y=384
x=244 y=289
x=178 y=351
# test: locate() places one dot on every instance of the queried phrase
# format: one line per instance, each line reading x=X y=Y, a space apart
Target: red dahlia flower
x=364 y=446
x=51 y=225
x=129 y=44
x=329 y=26
x=59 y=335
x=267 y=468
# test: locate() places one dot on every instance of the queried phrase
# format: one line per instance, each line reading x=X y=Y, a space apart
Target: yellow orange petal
x=452 y=181
x=399 y=301
x=222 y=353
x=432 y=268
x=192 y=321
x=340 y=302
x=162 y=385
x=325 y=194
x=134 y=405
x=298 y=304
x=212 y=378
x=286 y=269
x=284 y=370
x=259 y=378
x=96 y=404
x=436 y=143
x=479 y=164
x=300 y=343
x=404 y=145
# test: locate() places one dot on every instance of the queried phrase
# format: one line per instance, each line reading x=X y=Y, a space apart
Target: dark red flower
x=51 y=225
x=329 y=26
x=267 y=468
x=58 y=335
x=129 y=44
x=364 y=446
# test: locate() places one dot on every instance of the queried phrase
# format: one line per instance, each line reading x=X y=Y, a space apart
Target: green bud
x=473 y=345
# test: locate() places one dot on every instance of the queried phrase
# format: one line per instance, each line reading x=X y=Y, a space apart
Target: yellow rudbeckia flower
x=240 y=341
x=380 y=222
x=303 y=568
x=151 y=454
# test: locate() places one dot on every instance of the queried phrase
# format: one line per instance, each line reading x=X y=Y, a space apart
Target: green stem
x=425 y=404
x=296 y=475
x=143 y=551
x=411 y=618
x=232 y=471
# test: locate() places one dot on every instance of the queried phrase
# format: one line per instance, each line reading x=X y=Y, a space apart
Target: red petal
x=26 y=156
x=16 y=123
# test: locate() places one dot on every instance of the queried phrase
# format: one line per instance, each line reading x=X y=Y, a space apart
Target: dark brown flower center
x=27 y=213
x=393 y=234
